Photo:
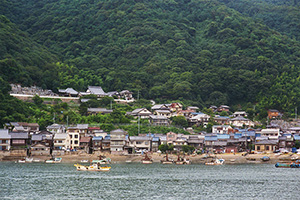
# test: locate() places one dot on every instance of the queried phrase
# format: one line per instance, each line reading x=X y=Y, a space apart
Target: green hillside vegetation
x=198 y=51
x=282 y=16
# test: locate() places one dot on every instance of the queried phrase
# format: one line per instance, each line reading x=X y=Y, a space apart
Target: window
x=76 y=142
x=18 y=141
x=267 y=148
x=76 y=136
x=258 y=148
x=71 y=136
x=138 y=142
x=146 y=143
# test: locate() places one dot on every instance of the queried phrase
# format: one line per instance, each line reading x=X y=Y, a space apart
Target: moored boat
x=166 y=161
x=25 y=160
x=265 y=158
x=215 y=162
x=295 y=164
x=54 y=160
x=147 y=159
x=92 y=167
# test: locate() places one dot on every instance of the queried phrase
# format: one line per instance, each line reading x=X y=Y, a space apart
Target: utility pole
x=139 y=125
x=54 y=118
x=111 y=104
x=296 y=114
x=138 y=97
x=67 y=121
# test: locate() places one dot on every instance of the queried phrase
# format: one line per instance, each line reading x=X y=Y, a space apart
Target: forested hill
x=198 y=50
x=280 y=15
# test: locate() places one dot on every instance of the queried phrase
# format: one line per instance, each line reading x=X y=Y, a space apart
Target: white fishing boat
x=54 y=160
x=215 y=162
x=84 y=161
x=25 y=160
x=94 y=166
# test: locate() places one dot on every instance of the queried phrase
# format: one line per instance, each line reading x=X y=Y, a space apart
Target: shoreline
x=230 y=158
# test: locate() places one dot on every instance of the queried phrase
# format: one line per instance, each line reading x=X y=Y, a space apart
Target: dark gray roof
x=99 y=110
x=273 y=142
x=19 y=135
x=97 y=90
x=140 y=138
x=220 y=143
x=37 y=137
x=195 y=141
x=158 y=117
x=4 y=134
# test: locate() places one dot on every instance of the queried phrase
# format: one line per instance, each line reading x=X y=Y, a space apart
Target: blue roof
x=197 y=113
x=238 y=135
x=126 y=137
x=107 y=137
x=211 y=138
x=297 y=137
x=223 y=136
x=257 y=134
x=97 y=138
x=155 y=139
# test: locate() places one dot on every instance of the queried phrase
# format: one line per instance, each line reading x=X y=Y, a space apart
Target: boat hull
x=147 y=161
x=167 y=162
x=287 y=165
x=91 y=168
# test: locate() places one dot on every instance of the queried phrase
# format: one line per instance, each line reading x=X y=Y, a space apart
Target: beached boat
x=94 y=166
x=54 y=160
x=25 y=160
x=84 y=161
x=104 y=161
x=295 y=164
x=147 y=159
x=215 y=162
x=166 y=161
x=265 y=158
x=182 y=161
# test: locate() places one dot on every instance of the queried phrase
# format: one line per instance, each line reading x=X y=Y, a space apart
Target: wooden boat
x=215 y=162
x=54 y=160
x=147 y=159
x=92 y=167
x=295 y=164
x=166 y=161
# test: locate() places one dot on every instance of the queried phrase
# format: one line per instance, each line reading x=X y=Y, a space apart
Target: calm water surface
x=156 y=181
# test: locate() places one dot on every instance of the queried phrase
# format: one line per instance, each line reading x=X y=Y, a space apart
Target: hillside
x=282 y=16
x=196 y=50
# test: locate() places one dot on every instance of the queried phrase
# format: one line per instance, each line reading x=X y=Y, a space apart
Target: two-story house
x=117 y=141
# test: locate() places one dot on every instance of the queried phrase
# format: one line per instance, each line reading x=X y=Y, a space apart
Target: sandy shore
x=237 y=158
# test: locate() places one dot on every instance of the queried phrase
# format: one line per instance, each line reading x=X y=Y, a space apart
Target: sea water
x=153 y=181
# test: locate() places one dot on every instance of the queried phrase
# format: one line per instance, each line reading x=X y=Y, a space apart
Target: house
x=199 y=119
x=270 y=133
x=56 y=128
x=240 y=114
x=75 y=133
x=273 y=114
x=155 y=143
x=294 y=130
x=171 y=137
x=221 y=129
x=193 y=108
x=30 y=128
x=19 y=140
x=209 y=140
x=143 y=113
x=61 y=142
x=286 y=142
x=179 y=142
x=85 y=144
x=140 y=143
x=213 y=108
x=196 y=141
x=113 y=94
x=96 y=90
x=159 y=107
x=41 y=145
x=95 y=111
x=69 y=92
x=241 y=121
x=175 y=107
x=106 y=143
x=164 y=112
x=5 y=140
x=93 y=130
x=126 y=94
x=159 y=120
x=97 y=143
x=223 y=108
x=117 y=141
x=222 y=120
x=266 y=145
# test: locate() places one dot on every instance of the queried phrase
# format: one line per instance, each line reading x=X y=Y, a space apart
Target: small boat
x=104 y=161
x=265 y=158
x=25 y=160
x=36 y=161
x=84 y=161
x=54 y=160
x=295 y=164
x=166 y=161
x=94 y=166
x=147 y=159
x=215 y=162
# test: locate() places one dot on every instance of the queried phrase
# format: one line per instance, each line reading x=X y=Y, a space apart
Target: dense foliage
x=198 y=51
